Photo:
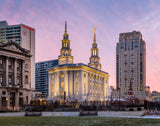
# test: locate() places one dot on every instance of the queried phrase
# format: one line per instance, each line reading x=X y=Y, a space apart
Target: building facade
x=77 y=82
x=42 y=76
x=22 y=35
x=15 y=81
x=131 y=64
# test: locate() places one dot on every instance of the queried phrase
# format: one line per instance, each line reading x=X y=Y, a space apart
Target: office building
x=42 y=76
x=22 y=35
x=131 y=64
x=78 y=82
x=15 y=81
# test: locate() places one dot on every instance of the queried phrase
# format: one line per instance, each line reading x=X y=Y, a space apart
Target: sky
x=110 y=17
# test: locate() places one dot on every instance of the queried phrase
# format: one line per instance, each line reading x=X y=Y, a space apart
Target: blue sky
x=110 y=17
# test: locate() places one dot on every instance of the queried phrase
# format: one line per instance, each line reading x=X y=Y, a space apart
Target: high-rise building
x=24 y=36
x=42 y=76
x=78 y=82
x=131 y=64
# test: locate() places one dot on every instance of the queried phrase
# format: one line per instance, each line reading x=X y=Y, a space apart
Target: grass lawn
x=76 y=121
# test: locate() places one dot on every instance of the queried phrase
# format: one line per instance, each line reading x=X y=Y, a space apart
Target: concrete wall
x=60 y=113
x=12 y=114
x=118 y=114
x=100 y=114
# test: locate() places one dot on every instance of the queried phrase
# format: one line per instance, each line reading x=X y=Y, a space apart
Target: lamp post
x=119 y=97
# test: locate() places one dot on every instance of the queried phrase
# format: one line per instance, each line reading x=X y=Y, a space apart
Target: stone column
x=17 y=100
x=7 y=72
x=15 y=71
x=50 y=85
x=23 y=75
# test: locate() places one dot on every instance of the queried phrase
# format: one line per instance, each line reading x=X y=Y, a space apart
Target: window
x=62 y=84
x=1 y=62
x=10 y=64
x=62 y=92
x=1 y=79
x=26 y=79
x=26 y=99
x=62 y=75
x=4 y=102
x=20 y=94
x=84 y=75
x=3 y=93
x=77 y=92
x=21 y=102
x=18 y=79
x=10 y=79
x=76 y=85
x=77 y=74
x=26 y=66
x=18 y=65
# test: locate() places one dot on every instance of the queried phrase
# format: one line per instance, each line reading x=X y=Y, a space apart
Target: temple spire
x=94 y=58
x=94 y=35
x=65 y=27
x=65 y=35
x=65 y=56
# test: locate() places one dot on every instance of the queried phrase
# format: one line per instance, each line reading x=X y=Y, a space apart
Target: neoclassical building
x=15 y=76
x=69 y=81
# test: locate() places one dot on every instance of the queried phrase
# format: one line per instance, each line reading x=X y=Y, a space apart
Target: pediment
x=14 y=47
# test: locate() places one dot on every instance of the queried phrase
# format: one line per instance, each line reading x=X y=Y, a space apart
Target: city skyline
x=110 y=19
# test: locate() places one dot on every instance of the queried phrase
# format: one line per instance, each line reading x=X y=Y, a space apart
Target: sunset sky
x=110 y=17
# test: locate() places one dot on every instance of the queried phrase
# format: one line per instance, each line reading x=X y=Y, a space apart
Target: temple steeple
x=94 y=59
x=94 y=40
x=65 y=52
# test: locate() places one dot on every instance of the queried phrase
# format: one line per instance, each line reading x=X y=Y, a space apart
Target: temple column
x=15 y=72
x=23 y=75
x=50 y=85
x=7 y=72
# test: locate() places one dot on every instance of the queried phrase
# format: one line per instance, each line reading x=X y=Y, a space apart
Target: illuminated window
x=76 y=85
x=62 y=84
x=52 y=77
x=62 y=75
x=62 y=92
x=77 y=74
x=77 y=92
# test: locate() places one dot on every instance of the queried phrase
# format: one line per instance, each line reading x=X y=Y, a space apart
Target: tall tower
x=65 y=52
x=131 y=63
x=94 y=59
